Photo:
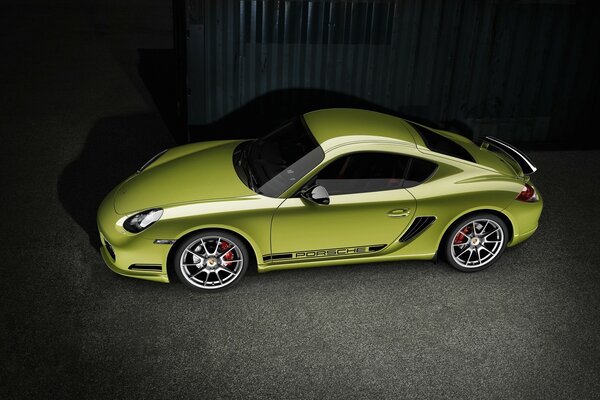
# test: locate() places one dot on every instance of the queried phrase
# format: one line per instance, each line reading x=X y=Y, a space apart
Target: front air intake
x=145 y=267
x=110 y=250
x=415 y=229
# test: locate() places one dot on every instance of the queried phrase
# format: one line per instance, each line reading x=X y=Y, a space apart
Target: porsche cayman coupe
x=331 y=187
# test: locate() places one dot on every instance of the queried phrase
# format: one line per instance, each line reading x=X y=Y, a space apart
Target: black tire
x=205 y=261
x=465 y=246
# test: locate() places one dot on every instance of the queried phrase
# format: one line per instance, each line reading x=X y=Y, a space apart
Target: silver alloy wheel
x=211 y=262
x=477 y=243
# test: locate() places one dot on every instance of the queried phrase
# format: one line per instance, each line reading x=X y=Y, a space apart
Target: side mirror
x=316 y=194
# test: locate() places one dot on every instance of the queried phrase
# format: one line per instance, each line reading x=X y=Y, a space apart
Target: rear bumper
x=524 y=217
x=522 y=237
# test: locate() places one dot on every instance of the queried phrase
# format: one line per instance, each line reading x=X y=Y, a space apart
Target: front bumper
x=129 y=254
x=122 y=263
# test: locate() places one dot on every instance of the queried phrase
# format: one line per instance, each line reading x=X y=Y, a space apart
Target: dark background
x=89 y=92
x=524 y=71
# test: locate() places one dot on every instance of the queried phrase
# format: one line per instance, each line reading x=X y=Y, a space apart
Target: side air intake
x=418 y=226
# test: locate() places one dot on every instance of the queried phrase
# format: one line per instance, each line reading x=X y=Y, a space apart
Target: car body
x=395 y=190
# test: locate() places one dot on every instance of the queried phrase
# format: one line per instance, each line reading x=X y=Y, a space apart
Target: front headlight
x=140 y=221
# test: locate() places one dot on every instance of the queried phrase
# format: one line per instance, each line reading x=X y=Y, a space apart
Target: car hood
x=191 y=173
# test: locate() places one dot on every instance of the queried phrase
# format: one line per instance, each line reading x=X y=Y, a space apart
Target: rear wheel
x=211 y=261
x=476 y=242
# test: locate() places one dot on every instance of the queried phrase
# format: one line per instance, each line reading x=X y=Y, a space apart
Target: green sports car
x=331 y=187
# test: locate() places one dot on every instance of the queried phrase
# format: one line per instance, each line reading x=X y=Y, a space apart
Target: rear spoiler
x=514 y=153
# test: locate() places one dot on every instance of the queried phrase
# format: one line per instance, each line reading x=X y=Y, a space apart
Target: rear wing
x=511 y=151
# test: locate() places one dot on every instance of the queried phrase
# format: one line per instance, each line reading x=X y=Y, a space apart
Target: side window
x=418 y=171
x=363 y=172
x=440 y=144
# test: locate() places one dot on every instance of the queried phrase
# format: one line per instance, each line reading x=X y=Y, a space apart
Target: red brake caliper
x=459 y=239
x=224 y=246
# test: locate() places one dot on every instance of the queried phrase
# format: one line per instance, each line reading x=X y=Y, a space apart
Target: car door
x=368 y=209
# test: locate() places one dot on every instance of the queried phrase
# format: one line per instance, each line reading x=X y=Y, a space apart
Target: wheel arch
x=250 y=245
x=509 y=224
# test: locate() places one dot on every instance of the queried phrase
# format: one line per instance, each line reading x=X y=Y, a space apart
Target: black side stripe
x=376 y=247
x=280 y=256
x=310 y=254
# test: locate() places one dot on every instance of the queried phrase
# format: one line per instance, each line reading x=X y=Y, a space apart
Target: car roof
x=336 y=122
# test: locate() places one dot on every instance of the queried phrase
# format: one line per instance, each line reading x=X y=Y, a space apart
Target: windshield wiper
x=252 y=181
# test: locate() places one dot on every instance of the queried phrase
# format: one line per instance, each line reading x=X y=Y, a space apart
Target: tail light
x=527 y=194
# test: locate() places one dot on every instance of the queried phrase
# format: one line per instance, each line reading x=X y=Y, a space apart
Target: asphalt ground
x=75 y=118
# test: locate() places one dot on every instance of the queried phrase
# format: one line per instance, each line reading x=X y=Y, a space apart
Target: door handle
x=399 y=212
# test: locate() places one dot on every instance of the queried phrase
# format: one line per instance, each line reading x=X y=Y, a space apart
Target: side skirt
x=362 y=259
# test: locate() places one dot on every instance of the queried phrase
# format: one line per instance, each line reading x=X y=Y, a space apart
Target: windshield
x=272 y=164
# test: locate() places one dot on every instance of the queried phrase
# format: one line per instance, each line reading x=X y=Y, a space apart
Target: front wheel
x=211 y=261
x=475 y=242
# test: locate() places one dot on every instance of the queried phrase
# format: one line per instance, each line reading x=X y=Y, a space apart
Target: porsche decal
x=307 y=254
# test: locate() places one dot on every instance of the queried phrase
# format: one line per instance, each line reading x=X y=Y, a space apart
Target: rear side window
x=418 y=172
x=441 y=144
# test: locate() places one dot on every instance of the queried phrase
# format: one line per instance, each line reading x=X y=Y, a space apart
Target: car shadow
x=114 y=149
x=265 y=112
x=157 y=70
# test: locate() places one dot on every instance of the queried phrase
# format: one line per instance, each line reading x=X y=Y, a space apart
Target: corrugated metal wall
x=521 y=70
